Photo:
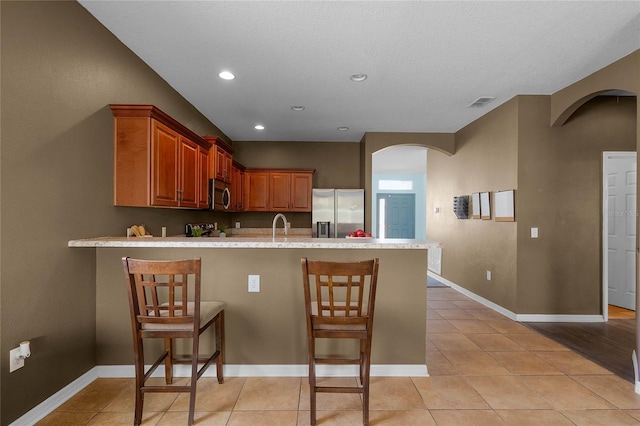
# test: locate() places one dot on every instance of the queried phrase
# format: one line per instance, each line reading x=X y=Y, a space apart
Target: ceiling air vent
x=480 y=102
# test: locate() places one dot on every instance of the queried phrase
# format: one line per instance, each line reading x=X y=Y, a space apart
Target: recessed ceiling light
x=226 y=75
x=297 y=108
x=358 y=77
x=259 y=127
x=343 y=128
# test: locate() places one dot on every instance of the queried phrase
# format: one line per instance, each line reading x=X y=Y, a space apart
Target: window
x=395 y=185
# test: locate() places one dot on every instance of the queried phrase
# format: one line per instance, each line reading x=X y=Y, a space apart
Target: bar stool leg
x=219 y=330
x=168 y=362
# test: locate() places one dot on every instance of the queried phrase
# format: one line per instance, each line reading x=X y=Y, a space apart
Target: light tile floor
x=484 y=370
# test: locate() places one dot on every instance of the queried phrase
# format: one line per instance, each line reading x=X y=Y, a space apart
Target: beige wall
x=269 y=327
x=556 y=172
x=560 y=192
x=485 y=160
x=337 y=165
x=621 y=75
x=60 y=71
x=375 y=141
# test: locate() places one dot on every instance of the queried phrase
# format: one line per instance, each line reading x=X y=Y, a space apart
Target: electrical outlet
x=534 y=232
x=488 y=275
x=254 y=283
x=15 y=361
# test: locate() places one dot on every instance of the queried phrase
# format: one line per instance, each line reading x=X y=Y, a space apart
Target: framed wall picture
x=475 y=205
x=504 y=205
x=485 y=206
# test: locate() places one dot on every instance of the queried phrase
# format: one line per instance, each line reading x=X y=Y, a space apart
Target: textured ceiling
x=425 y=60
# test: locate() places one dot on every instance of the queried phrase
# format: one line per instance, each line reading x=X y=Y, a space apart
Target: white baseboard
x=512 y=315
x=488 y=303
x=57 y=399
x=558 y=318
x=231 y=370
x=275 y=370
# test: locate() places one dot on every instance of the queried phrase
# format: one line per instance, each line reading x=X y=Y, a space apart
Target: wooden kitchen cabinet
x=188 y=170
x=237 y=186
x=279 y=191
x=158 y=161
x=203 y=176
x=221 y=166
x=164 y=165
x=301 y=193
x=282 y=190
x=256 y=191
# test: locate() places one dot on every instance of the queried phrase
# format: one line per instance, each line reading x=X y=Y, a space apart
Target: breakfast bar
x=266 y=329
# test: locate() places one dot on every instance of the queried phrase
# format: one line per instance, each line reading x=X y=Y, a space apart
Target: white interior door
x=620 y=214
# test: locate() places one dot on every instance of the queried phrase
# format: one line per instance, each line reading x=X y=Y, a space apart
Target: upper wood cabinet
x=278 y=190
x=256 y=191
x=237 y=187
x=221 y=159
x=157 y=161
x=204 y=176
x=301 y=193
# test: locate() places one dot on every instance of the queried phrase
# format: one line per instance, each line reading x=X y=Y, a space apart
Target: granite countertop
x=258 y=242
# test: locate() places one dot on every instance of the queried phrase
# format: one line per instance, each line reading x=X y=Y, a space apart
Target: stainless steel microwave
x=219 y=195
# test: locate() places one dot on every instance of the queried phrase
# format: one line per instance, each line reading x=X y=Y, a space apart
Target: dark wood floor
x=609 y=344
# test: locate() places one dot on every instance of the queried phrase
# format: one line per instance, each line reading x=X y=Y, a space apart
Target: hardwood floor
x=609 y=344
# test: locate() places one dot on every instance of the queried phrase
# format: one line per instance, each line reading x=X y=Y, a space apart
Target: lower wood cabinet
x=282 y=190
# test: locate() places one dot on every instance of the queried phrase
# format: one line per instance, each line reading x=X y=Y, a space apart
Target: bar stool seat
x=158 y=301
x=208 y=311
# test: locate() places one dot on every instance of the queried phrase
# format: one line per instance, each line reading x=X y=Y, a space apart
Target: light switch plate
x=488 y=275
x=15 y=361
x=254 y=283
x=534 y=232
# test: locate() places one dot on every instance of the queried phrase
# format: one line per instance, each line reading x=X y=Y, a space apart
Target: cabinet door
x=164 y=166
x=203 y=174
x=223 y=164
x=237 y=185
x=228 y=167
x=219 y=163
x=257 y=191
x=280 y=191
x=240 y=191
x=301 y=192
x=188 y=191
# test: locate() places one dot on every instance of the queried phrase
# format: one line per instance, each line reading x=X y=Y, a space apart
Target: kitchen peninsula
x=267 y=329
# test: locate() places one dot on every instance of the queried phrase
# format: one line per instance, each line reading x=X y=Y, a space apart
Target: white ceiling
x=425 y=60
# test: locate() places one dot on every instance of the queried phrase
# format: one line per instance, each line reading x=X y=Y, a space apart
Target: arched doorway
x=398 y=192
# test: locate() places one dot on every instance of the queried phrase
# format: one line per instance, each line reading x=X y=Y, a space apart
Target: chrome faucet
x=284 y=220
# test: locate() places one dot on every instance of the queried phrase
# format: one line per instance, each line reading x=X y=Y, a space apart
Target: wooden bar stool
x=339 y=300
x=158 y=292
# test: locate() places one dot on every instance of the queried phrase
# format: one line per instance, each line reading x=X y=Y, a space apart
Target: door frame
x=606 y=155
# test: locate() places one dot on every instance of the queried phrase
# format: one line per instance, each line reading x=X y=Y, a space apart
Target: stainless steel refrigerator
x=336 y=212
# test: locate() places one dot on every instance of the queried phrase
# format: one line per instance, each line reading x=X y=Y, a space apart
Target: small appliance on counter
x=342 y=210
x=199 y=229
